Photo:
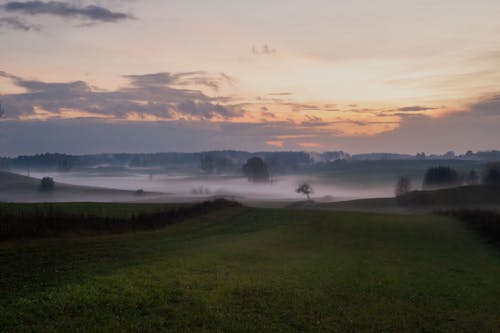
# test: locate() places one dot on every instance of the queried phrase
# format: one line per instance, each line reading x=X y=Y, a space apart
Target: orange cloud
x=310 y=145
x=275 y=143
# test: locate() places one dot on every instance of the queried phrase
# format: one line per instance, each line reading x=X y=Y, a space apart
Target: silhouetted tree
x=472 y=177
x=441 y=176
x=256 y=170
x=403 y=186
x=47 y=184
x=306 y=189
x=492 y=174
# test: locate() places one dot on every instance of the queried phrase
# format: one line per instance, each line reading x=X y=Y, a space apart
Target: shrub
x=441 y=177
x=47 y=184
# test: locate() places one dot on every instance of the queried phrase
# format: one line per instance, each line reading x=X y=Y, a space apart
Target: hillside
x=478 y=196
x=463 y=196
x=19 y=188
x=258 y=270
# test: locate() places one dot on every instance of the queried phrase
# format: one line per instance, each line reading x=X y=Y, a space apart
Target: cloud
x=67 y=10
x=16 y=23
x=263 y=50
x=80 y=136
x=310 y=145
x=275 y=143
x=415 y=108
x=458 y=131
x=149 y=96
x=281 y=94
x=488 y=106
x=200 y=78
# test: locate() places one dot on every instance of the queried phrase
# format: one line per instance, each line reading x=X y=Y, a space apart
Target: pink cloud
x=310 y=145
x=275 y=143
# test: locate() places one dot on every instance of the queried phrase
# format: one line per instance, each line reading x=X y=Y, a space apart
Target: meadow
x=243 y=269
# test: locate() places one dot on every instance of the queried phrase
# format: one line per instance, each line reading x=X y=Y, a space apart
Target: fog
x=180 y=187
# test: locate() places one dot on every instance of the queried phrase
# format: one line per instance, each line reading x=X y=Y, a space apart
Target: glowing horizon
x=327 y=71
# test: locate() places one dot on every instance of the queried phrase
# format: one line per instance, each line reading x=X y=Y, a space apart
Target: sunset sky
x=162 y=75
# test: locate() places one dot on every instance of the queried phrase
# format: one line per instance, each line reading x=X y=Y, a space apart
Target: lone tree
x=255 y=169
x=403 y=186
x=47 y=184
x=306 y=189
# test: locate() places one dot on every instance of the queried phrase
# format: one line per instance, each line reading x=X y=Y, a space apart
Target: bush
x=441 y=177
x=47 y=184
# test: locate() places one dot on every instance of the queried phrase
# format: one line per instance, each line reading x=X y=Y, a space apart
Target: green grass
x=258 y=270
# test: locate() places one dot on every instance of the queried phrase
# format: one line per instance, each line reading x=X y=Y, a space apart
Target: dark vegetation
x=211 y=162
x=256 y=170
x=463 y=196
x=230 y=161
x=403 y=186
x=472 y=178
x=47 y=184
x=486 y=223
x=217 y=164
x=47 y=220
x=492 y=174
x=441 y=177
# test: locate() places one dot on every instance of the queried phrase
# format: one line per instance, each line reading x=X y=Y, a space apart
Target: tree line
x=444 y=176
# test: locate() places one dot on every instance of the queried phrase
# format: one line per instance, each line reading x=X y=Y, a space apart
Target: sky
x=406 y=76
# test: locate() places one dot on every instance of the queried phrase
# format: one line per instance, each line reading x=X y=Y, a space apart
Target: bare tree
x=306 y=189
x=403 y=186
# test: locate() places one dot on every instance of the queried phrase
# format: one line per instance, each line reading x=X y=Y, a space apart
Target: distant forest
x=217 y=162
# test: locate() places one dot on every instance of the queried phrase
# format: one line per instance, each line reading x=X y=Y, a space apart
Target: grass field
x=257 y=270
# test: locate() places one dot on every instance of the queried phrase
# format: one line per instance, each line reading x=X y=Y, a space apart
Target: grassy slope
x=258 y=270
x=19 y=188
x=478 y=196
